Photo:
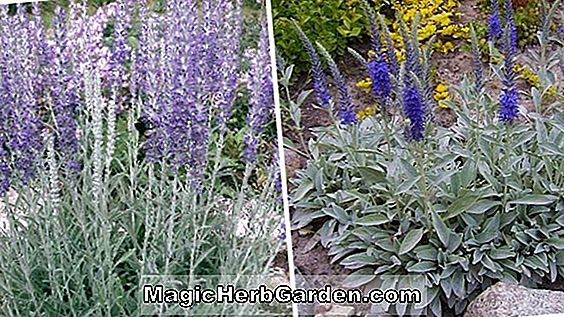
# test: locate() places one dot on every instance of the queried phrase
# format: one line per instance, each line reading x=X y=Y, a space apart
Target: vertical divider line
x=282 y=160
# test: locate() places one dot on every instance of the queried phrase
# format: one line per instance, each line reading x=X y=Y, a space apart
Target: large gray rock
x=511 y=300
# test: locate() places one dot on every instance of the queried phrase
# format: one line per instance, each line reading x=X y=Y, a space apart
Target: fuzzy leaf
x=442 y=231
x=411 y=240
x=371 y=174
x=481 y=206
x=337 y=213
x=372 y=220
x=422 y=267
x=461 y=205
x=535 y=199
x=359 y=278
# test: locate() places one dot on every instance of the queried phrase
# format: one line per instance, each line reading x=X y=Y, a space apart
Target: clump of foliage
x=112 y=156
x=334 y=23
x=464 y=206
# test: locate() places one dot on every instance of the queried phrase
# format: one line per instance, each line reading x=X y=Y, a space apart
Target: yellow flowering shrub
x=532 y=78
x=436 y=17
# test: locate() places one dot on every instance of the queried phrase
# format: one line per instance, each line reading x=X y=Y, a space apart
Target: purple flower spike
x=414 y=110
x=494 y=22
x=345 y=108
x=509 y=98
x=380 y=76
x=509 y=105
x=319 y=80
x=511 y=46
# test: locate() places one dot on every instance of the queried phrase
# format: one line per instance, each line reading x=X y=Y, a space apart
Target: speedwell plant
x=464 y=206
x=111 y=157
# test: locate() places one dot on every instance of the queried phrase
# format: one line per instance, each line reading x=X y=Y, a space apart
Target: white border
x=19 y=1
x=282 y=159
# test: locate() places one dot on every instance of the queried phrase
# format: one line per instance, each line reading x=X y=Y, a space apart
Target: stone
x=512 y=300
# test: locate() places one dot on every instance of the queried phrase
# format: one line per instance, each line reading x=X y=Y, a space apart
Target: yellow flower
x=441 y=87
x=448 y=47
x=364 y=84
x=441 y=92
x=426 y=32
x=366 y=112
x=443 y=104
x=443 y=19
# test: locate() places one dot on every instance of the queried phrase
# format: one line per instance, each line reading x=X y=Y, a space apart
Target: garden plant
x=113 y=164
x=392 y=192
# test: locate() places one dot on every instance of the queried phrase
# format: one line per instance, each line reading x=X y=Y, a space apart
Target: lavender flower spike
x=319 y=80
x=478 y=69
x=380 y=76
x=374 y=34
x=494 y=22
x=414 y=110
x=512 y=29
x=390 y=49
x=345 y=108
x=261 y=98
x=509 y=105
x=509 y=98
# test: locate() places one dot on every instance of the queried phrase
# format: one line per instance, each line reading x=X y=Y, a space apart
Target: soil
x=313 y=261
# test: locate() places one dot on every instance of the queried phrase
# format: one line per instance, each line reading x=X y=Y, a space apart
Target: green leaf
x=411 y=240
x=358 y=260
x=557 y=243
x=535 y=199
x=426 y=252
x=337 y=213
x=302 y=191
x=501 y=253
x=422 y=267
x=468 y=174
x=461 y=205
x=442 y=231
x=359 y=278
x=372 y=220
x=407 y=185
x=483 y=205
x=371 y=174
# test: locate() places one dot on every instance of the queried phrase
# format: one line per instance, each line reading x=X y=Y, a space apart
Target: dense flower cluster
x=378 y=68
x=437 y=17
x=414 y=110
x=41 y=80
x=185 y=72
x=380 y=76
x=344 y=109
x=20 y=133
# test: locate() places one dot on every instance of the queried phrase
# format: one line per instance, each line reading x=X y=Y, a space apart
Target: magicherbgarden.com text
x=283 y=294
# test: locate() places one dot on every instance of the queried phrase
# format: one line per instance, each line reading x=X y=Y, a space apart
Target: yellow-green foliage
x=437 y=17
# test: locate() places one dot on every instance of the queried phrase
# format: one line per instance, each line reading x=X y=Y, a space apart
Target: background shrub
x=333 y=23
